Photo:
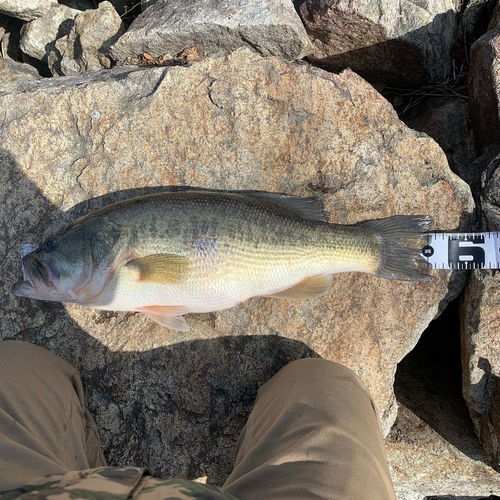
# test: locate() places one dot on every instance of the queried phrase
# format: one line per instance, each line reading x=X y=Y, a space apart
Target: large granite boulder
x=401 y=43
x=175 y=401
x=215 y=27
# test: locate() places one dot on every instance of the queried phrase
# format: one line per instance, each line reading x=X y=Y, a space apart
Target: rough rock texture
x=38 y=37
x=176 y=401
x=432 y=449
x=86 y=47
x=480 y=331
x=484 y=88
x=215 y=27
x=403 y=43
x=426 y=466
x=13 y=73
x=445 y=120
x=27 y=10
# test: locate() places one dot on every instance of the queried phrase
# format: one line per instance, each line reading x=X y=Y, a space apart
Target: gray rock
x=38 y=37
x=86 y=47
x=480 y=332
x=484 y=89
x=176 y=401
x=215 y=27
x=445 y=120
x=12 y=71
x=27 y=10
x=426 y=466
x=401 y=43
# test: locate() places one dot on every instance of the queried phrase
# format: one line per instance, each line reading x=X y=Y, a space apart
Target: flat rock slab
x=401 y=43
x=215 y=27
x=176 y=401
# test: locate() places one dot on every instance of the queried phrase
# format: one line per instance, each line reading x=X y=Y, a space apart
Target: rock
x=11 y=72
x=495 y=16
x=480 y=337
x=484 y=85
x=474 y=20
x=86 y=47
x=432 y=448
x=176 y=401
x=9 y=38
x=215 y=27
x=426 y=466
x=38 y=37
x=27 y=10
x=474 y=173
x=445 y=120
x=123 y=7
x=400 y=43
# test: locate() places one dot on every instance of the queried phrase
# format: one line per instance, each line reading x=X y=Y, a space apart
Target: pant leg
x=312 y=434
x=44 y=426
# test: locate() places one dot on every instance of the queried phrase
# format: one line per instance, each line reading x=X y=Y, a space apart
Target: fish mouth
x=39 y=280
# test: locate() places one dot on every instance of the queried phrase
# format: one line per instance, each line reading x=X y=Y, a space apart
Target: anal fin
x=167 y=316
x=309 y=288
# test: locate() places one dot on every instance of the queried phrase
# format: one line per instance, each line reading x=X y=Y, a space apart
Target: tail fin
x=401 y=239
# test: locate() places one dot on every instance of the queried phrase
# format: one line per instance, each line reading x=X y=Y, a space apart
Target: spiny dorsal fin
x=307 y=208
x=162 y=268
x=309 y=288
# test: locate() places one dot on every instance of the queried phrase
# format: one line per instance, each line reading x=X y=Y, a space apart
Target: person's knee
x=314 y=373
x=317 y=368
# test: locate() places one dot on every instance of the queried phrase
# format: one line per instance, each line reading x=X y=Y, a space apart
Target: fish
x=197 y=251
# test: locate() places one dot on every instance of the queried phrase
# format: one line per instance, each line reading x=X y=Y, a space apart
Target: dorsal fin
x=307 y=208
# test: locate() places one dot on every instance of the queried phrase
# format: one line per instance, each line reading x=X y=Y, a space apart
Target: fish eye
x=50 y=245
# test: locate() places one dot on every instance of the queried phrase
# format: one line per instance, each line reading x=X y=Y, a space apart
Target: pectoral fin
x=309 y=288
x=162 y=268
x=167 y=316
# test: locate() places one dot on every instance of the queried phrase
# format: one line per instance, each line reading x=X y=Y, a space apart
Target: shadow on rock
x=177 y=409
x=409 y=59
x=429 y=383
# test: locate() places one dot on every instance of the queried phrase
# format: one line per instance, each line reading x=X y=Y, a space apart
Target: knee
x=320 y=372
x=317 y=368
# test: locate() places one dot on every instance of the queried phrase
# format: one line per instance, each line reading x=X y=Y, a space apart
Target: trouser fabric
x=313 y=432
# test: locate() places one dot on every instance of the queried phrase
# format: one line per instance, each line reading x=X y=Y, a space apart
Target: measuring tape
x=462 y=250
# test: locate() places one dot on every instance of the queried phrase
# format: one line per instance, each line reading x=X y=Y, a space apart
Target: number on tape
x=463 y=250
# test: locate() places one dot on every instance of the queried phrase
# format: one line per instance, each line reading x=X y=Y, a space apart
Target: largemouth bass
x=197 y=251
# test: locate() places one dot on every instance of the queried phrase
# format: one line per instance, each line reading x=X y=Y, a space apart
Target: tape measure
x=462 y=250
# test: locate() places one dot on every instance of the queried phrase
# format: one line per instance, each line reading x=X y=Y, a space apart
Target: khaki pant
x=312 y=434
